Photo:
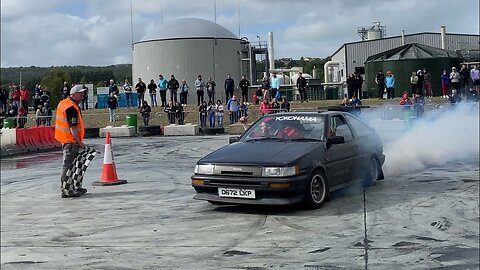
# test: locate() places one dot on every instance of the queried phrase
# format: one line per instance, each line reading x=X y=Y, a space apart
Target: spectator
x=350 y=86
x=380 y=82
x=184 y=88
x=22 y=117
x=141 y=88
x=265 y=89
x=24 y=97
x=257 y=96
x=152 y=90
x=173 y=86
x=39 y=115
x=455 y=97
x=265 y=107
x=2 y=116
x=203 y=112
x=455 y=78
x=45 y=98
x=127 y=90
x=358 y=82
x=405 y=100
x=275 y=84
x=219 y=113
x=3 y=98
x=390 y=85
x=244 y=84
x=211 y=89
x=12 y=111
x=37 y=101
x=229 y=87
x=162 y=87
x=112 y=103
x=445 y=82
x=355 y=102
x=413 y=82
x=285 y=105
x=112 y=88
x=170 y=109
x=179 y=113
x=421 y=78
x=233 y=106
x=302 y=87
x=243 y=108
x=85 y=98
x=275 y=106
x=16 y=96
x=427 y=83
x=211 y=114
x=65 y=90
x=200 y=87
x=145 y=111
x=47 y=114
x=464 y=80
x=475 y=76
x=37 y=90
x=418 y=104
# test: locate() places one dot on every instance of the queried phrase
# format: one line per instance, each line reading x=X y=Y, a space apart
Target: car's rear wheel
x=317 y=190
x=372 y=173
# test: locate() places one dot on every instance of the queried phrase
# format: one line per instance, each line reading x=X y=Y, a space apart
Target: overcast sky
x=98 y=33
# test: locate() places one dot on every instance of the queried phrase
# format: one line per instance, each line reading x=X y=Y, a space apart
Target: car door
x=340 y=158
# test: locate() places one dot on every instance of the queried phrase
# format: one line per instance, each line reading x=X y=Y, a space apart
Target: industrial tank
x=401 y=61
x=187 y=48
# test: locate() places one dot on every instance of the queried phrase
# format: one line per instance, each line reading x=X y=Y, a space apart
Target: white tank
x=374 y=34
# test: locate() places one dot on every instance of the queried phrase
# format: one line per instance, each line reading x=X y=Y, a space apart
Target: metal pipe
x=271 y=58
x=403 y=37
x=325 y=69
x=442 y=37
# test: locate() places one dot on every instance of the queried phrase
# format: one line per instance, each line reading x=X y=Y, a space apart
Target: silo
x=187 y=48
x=401 y=61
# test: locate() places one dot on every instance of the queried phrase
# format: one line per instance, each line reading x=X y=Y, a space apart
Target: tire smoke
x=441 y=136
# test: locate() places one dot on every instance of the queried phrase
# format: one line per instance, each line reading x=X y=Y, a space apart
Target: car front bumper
x=264 y=193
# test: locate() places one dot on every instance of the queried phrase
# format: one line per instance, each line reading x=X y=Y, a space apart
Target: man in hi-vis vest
x=69 y=130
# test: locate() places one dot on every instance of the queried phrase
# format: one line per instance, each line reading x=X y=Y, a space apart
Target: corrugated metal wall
x=357 y=53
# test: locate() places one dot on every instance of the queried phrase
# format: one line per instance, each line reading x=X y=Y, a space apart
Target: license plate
x=236 y=193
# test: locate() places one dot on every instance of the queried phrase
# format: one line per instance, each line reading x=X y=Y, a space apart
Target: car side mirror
x=233 y=139
x=335 y=140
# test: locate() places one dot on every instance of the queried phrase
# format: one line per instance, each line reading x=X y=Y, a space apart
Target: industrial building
x=351 y=57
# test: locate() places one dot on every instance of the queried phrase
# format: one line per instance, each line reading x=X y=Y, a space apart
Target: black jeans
x=163 y=97
x=200 y=95
x=183 y=97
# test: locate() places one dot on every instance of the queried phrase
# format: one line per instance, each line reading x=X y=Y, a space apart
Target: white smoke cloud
x=441 y=137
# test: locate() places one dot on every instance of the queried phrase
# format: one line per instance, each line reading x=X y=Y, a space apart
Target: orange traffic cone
x=109 y=172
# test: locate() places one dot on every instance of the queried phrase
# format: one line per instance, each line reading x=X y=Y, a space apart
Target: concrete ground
x=423 y=220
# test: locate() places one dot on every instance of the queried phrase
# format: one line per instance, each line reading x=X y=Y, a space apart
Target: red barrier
x=35 y=138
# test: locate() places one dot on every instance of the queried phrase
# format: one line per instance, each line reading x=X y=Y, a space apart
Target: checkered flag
x=74 y=175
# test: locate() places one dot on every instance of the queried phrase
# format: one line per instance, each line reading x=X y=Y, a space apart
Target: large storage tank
x=187 y=48
x=401 y=61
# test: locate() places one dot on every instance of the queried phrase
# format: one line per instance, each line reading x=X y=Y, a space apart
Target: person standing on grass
x=211 y=89
x=127 y=88
x=200 y=87
x=152 y=90
x=173 y=86
x=145 y=111
x=244 y=84
x=162 y=89
x=390 y=85
x=112 y=103
x=141 y=87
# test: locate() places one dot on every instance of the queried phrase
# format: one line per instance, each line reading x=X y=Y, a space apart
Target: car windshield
x=287 y=127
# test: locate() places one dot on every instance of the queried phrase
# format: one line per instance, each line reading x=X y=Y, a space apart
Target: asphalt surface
x=423 y=220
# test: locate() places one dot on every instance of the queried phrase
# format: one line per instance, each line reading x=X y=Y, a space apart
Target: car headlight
x=204 y=169
x=279 y=171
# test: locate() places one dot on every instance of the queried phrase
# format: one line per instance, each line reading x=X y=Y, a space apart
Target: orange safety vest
x=62 y=129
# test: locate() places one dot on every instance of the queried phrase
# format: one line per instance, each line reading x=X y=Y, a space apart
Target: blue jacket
x=390 y=81
x=162 y=84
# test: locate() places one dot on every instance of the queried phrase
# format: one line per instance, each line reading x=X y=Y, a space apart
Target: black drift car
x=288 y=158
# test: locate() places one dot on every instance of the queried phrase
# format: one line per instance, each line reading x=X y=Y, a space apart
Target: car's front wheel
x=317 y=191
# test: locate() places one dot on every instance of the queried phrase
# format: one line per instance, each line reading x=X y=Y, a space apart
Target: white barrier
x=181 y=130
x=122 y=131
x=8 y=139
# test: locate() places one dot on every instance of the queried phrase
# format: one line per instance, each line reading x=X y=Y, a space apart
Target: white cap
x=77 y=89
